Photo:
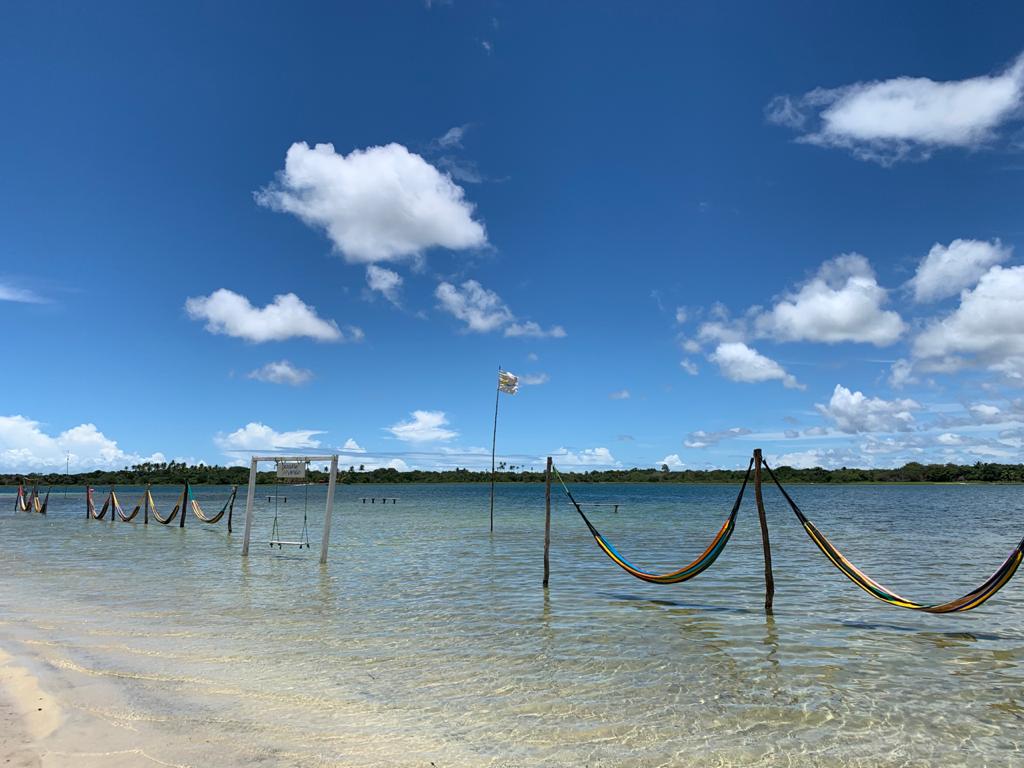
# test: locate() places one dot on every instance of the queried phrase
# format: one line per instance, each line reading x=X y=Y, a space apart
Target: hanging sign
x=291 y=470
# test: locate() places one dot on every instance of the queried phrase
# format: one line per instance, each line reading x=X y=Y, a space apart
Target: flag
x=508 y=382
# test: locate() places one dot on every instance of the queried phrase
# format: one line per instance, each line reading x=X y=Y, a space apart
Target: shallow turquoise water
x=427 y=639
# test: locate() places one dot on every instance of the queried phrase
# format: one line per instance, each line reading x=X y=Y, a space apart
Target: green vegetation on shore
x=176 y=473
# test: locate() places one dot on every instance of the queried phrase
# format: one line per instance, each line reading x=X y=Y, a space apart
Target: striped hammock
x=687 y=572
x=971 y=600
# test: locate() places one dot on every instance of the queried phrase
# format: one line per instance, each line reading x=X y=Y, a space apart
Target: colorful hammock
x=32 y=503
x=21 y=500
x=687 y=572
x=228 y=505
x=971 y=600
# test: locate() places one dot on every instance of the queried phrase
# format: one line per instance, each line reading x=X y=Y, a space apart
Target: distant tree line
x=176 y=473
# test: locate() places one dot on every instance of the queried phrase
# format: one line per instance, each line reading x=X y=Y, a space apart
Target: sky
x=690 y=229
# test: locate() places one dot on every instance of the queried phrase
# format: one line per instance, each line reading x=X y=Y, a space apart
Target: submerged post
x=547 y=521
x=769 y=581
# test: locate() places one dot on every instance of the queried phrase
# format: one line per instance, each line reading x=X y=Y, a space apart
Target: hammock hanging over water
x=147 y=505
x=971 y=600
x=687 y=572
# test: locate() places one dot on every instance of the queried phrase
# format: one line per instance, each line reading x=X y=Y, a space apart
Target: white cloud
x=703 y=439
x=987 y=328
x=19 y=295
x=281 y=372
x=620 y=394
x=673 y=461
x=425 y=426
x=353 y=447
x=483 y=310
x=530 y=329
x=588 y=457
x=385 y=281
x=986 y=413
x=534 y=379
x=901 y=373
x=231 y=314
x=815 y=457
x=680 y=315
x=948 y=269
x=376 y=204
x=842 y=302
x=24 y=446
x=689 y=366
x=256 y=436
x=905 y=117
x=453 y=137
x=948 y=438
x=853 y=412
x=691 y=346
x=738 y=362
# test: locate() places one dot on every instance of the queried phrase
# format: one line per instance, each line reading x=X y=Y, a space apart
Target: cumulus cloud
x=483 y=310
x=689 y=366
x=480 y=309
x=588 y=457
x=353 y=447
x=257 y=436
x=377 y=204
x=853 y=412
x=386 y=282
x=26 y=447
x=703 y=439
x=904 y=117
x=738 y=362
x=949 y=438
x=986 y=413
x=986 y=329
x=281 y=372
x=619 y=394
x=680 y=315
x=842 y=302
x=286 y=317
x=672 y=461
x=809 y=459
x=425 y=426
x=948 y=269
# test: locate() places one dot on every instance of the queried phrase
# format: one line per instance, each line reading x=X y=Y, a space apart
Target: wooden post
x=184 y=506
x=248 y=506
x=769 y=581
x=231 y=508
x=547 y=521
x=145 y=505
x=331 y=485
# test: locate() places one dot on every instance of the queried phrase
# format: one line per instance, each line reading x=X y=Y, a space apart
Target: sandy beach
x=36 y=731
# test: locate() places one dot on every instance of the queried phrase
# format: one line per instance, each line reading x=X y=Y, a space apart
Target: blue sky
x=696 y=229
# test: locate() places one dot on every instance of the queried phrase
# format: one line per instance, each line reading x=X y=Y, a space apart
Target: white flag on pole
x=508 y=382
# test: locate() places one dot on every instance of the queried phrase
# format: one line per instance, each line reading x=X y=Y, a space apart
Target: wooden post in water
x=145 y=505
x=231 y=507
x=184 y=506
x=769 y=581
x=547 y=521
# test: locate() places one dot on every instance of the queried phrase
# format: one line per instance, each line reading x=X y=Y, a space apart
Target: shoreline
x=28 y=714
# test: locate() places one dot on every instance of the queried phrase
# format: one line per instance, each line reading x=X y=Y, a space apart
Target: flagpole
x=494 y=441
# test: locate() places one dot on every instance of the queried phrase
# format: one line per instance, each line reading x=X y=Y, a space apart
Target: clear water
x=427 y=640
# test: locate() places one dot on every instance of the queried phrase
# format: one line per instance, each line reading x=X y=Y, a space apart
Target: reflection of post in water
x=771 y=641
